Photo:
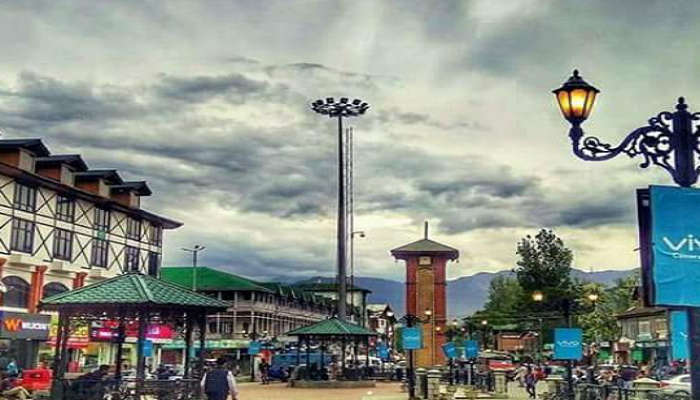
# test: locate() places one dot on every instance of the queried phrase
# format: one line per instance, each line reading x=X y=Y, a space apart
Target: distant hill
x=464 y=295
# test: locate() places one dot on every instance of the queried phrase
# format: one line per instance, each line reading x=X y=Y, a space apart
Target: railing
x=585 y=391
x=484 y=382
x=125 y=389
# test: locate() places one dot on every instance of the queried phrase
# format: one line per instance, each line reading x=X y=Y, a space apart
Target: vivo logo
x=568 y=343
x=676 y=248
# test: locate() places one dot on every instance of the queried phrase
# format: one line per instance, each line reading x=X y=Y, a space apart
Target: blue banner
x=412 y=338
x=675 y=235
x=568 y=344
x=449 y=349
x=471 y=348
x=383 y=351
x=147 y=348
x=254 y=348
x=679 y=335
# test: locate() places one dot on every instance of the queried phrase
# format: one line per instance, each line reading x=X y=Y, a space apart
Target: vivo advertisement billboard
x=568 y=344
x=680 y=349
x=675 y=246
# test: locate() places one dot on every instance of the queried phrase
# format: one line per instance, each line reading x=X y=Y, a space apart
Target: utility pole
x=196 y=249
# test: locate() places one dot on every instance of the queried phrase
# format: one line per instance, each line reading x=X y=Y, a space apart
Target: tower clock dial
x=424 y=260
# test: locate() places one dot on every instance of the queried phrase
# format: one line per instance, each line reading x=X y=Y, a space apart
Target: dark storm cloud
x=200 y=88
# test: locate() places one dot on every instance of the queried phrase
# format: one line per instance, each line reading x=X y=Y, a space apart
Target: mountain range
x=465 y=294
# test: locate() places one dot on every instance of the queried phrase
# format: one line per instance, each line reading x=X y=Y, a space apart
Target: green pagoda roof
x=331 y=327
x=212 y=279
x=133 y=289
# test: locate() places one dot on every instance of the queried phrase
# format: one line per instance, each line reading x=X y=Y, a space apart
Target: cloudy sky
x=208 y=101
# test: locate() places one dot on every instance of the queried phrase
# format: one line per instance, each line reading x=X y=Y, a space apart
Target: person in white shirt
x=218 y=383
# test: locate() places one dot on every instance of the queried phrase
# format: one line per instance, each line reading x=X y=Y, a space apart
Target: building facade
x=356 y=298
x=62 y=226
x=260 y=310
x=645 y=336
x=381 y=319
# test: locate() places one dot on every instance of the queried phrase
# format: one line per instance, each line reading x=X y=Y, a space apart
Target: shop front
x=236 y=350
x=21 y=336
x=104 y=334
x=78 y=343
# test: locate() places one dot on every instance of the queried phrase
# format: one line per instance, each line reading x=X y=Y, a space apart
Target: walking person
x=531 y=383
x=219 y=382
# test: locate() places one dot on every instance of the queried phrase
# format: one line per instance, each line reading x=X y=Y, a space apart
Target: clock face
x=424 y=260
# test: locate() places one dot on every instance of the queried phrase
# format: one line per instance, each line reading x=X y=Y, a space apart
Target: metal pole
x=409 y=372
x=194 y=270
x=683 y=142
x=569 y=363
x=694 y=332
x=351 y=207
x=254 y=337
x=188 y=344
x=341 y=233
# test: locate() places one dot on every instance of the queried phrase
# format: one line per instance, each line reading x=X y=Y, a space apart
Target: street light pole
x=667 y=141
x=196 y=249
x=411 y=320
x=339 y=110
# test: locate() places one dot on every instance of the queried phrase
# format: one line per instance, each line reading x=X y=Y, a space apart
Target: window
x=17 y=292
x=63 y=244
x=153 y=263
x=133 y=228
x=131 y=260
x=65 y=209
x=101 y=220
x=156 y=235
x=22 y=235
x=100 y=251
x=25 y=198
x=52 y=289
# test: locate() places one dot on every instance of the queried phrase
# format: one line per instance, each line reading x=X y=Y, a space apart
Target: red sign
x=110 y=329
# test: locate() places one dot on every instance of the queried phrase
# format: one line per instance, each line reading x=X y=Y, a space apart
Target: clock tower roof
x=425 y=247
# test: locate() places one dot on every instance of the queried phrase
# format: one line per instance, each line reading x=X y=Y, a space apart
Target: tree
x=544 y=266
x=600 y=324
x=505 y=294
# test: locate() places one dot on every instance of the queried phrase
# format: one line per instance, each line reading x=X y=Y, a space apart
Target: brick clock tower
x=425 y=290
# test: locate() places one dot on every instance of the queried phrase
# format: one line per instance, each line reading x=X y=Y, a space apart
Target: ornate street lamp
x=667 y=141
x=538 y=296
x=341 y=109
x=411 y=321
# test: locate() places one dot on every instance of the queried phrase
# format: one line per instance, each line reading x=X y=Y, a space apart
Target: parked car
x=677 y=385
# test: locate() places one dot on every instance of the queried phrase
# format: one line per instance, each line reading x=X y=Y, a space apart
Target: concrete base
x=333 y=384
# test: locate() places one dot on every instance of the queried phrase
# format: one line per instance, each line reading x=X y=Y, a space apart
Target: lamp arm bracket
x=653 y=142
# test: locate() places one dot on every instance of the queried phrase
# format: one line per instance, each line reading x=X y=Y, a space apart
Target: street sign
x=679 y=335
x=450 y=350
x=147 y=348
x=471 y=349
x=254 y=348
x=412 y=338
x=568 y=344
x=674 y=245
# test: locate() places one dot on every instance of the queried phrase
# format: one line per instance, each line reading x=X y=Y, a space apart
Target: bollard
x=644 y=387
x=500 y=382
x=433 y=384
x=421 y=383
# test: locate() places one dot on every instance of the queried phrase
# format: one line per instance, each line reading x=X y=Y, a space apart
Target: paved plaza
x=280 y=391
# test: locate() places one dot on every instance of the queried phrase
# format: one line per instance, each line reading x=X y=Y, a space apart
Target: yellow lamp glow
x=576 y=98
x=537 y=296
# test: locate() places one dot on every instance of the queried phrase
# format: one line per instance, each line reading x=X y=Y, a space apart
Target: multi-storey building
x=262 y=310
x=356 y=297
x=63 y=225
x=381 y=319
x=645 y=335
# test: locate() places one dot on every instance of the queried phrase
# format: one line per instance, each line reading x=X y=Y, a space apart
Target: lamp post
x=411 y=321
x=429 y=314
x=668 y=141
x=341 y=109
x=538 y=297
x=195 y=250
x=450 y=334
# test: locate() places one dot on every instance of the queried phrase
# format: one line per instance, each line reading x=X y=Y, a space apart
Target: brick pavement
x=279 y=391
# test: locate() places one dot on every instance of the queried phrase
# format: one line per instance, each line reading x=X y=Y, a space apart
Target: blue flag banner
x=148 y=348
x=471 y=348
x=450 y=350
x=568 y=344
x=254 y=348
x=679 y=335
x=412 y=338
x=675 y=234
x=383 y=351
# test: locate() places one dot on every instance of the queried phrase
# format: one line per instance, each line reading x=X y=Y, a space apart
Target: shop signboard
x=109 y=330
x=412 y=338
x=568 y=344
x=670 y=244
x=24 y=326
x=79 y=337
x=449 y=349
x=471 y=349
x=679 y=335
